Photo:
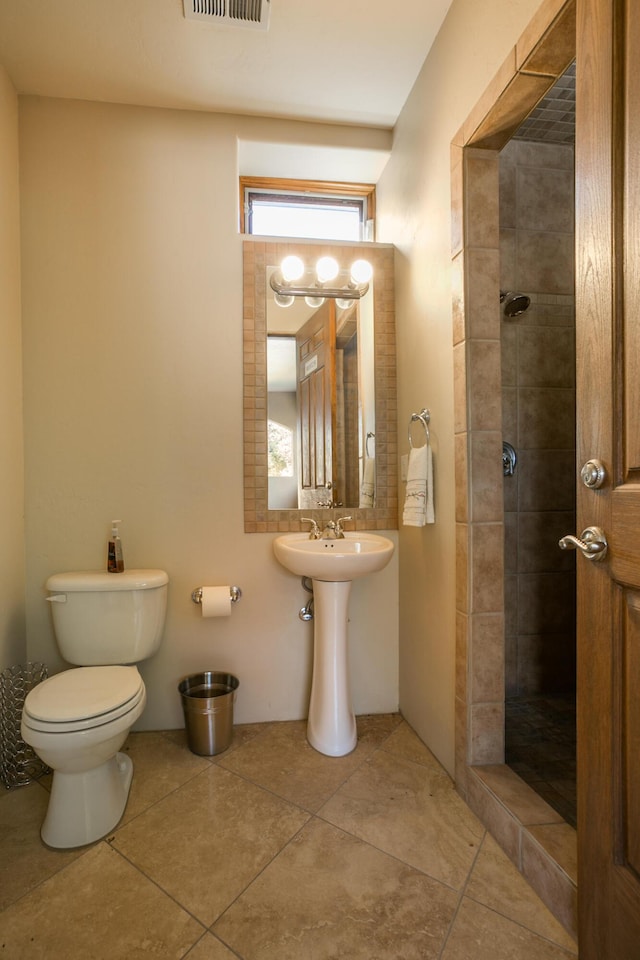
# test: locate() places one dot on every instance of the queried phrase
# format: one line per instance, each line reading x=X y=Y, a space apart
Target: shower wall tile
x=486 y=474
x=545 y=356
x=545 y=199
x=495 y=815
x=546 y=603
x=510 y=666
x=511 y=604
x=487 y=732
x=537 y=538
x=538 y=408
x=508 y=272
x=461 y=746
x=462 y=629
x=457 y=294
x=510 y=488
x=546 y=664
x=480 y=546
x=487 y=568
x=549 y=310
x=510 y=542
x=487 y=658
x=545 y=261
x=509 y=354
x=460 y=387
x=554 y=875
x=543 y=155
x=457 y=194
x=546 y=418
x=481 y=197
x=462 y=477
x=483 y=371
x=511 y=523
x=483 y=275
x=546 y=477
x=507 y=176
x=462 y=567
x=510 y=414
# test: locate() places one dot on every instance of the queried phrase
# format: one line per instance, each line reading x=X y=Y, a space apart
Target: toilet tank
x=104 y=618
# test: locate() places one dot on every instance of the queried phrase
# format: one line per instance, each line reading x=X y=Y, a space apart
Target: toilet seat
x=83 y=698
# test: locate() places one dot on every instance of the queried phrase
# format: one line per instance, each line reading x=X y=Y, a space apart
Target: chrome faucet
x=333 y=529
x=314 y=532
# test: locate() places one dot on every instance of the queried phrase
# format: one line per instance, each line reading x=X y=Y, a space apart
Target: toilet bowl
x=77 y=720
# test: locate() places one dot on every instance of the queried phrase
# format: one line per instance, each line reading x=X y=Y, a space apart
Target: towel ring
x=370 y=436
x=424 y=417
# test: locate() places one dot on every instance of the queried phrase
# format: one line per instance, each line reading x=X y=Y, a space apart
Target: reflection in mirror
x=320 y=392
x=320 y=401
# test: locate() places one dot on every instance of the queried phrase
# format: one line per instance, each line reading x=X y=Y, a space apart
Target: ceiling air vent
x=240 y=13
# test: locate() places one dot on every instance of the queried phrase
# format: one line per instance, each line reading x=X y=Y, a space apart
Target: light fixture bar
x=308 y=285
x=315 y=290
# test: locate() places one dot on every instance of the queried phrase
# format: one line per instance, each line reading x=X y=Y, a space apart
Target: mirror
x=319 y=394
x=320 y=401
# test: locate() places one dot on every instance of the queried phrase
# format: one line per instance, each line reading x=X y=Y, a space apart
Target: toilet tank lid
x=85 y=581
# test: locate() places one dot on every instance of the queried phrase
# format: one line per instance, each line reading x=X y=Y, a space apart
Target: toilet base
x=84 y=807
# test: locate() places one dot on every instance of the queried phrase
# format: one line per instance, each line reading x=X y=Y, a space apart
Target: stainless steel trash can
x=207 y=703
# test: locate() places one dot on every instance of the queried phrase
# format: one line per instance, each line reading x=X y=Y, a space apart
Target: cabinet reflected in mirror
x=319 y=395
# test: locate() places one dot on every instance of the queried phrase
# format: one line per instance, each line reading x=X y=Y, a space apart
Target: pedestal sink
x=332 y=565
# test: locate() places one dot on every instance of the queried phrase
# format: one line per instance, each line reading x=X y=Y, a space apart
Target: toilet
x=77 y=720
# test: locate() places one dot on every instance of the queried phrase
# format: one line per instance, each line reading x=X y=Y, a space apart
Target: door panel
x=316 y=389
x=608 y=408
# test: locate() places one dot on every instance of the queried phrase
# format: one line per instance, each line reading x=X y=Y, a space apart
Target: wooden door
x=608 y=428
x=316 y=394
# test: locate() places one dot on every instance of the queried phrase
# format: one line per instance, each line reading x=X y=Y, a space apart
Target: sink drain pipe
x=306 y=612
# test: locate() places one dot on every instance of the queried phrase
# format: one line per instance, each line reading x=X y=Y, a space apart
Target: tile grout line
x=157 y=885
x=461 y=896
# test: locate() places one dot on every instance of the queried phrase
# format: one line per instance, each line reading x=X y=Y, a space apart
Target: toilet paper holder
x=235 y=592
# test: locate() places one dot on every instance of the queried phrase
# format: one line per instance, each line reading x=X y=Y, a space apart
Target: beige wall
x=414 y=212
x=132 y=314
x=12 y=617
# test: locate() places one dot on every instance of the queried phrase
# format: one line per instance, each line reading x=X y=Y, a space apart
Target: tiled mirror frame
x=525 y=826
x=259 y=253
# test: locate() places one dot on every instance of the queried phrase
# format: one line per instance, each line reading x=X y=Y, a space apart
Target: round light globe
x=361 y=271
x=292 y=268
x=314 y=301
x=327 y=269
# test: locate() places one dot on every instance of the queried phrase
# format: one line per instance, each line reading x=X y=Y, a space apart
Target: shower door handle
x=592 y=543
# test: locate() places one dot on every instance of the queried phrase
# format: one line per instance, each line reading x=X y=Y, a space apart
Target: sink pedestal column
x=331 y=728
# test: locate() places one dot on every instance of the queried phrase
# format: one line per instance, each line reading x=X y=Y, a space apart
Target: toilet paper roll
x=216 y=601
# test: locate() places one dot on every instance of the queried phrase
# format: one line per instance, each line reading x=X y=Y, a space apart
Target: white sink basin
x=335 y=561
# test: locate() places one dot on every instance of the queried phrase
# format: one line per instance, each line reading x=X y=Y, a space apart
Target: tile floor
x=271 y=850
x=540 y=746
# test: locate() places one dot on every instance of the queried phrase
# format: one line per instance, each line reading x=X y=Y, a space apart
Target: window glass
x=288 y=217
x=307 y=209
x=280 y=449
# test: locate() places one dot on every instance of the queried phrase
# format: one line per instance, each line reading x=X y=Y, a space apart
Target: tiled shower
x=538 y=412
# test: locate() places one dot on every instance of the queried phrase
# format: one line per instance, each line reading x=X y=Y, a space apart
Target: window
x=316 y=210
x=280 y=449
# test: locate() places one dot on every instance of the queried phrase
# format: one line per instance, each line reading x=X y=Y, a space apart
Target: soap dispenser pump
x=115 y=561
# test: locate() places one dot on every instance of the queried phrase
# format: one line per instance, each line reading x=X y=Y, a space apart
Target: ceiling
x=348 y=62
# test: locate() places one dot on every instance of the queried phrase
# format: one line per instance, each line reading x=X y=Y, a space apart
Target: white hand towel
x=418 y=505
x=367 y=491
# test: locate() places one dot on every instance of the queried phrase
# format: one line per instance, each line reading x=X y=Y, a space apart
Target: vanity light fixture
x=294 y=279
